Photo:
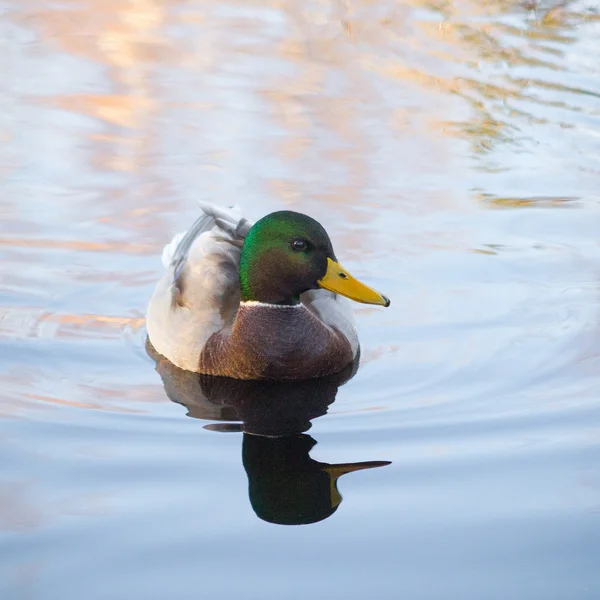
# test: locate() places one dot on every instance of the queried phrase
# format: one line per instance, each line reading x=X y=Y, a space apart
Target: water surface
x=451 y=149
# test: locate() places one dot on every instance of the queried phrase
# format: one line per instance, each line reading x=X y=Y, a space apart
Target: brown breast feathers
x=275 y=342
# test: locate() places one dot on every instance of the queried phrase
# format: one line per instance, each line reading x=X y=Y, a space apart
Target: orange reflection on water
x=78 y=245
x=22 y=322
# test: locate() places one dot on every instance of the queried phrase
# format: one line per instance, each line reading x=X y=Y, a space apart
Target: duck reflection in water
x=285 y=485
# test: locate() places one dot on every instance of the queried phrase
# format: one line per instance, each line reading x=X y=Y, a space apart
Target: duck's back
x=199 y=293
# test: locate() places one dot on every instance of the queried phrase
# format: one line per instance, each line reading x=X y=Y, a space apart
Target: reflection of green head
x=288 y=487
x=284 y=254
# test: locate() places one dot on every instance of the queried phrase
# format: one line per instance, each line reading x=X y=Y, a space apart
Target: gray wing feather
x=202 y=224
x=236 y=229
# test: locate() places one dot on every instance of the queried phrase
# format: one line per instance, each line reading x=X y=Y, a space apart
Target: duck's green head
x=287 y=253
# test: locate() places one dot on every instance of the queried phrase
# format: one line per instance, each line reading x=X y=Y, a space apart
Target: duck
x=256 y=301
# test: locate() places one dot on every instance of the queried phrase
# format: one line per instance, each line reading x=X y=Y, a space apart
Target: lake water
x=452 y=150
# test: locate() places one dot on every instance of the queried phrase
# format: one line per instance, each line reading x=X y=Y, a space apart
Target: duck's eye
x=299 y=245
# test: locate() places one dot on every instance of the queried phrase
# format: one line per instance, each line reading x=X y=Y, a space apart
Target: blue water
x=452 y=152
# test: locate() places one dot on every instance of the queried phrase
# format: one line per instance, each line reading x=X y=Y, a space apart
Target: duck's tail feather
x=231 y=215
x=238 y=232
x=229 y=221
x=203 y=223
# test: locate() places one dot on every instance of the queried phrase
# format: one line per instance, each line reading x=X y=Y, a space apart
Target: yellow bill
x=338 y=280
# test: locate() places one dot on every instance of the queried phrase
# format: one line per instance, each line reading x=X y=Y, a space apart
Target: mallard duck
x=258 y=301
